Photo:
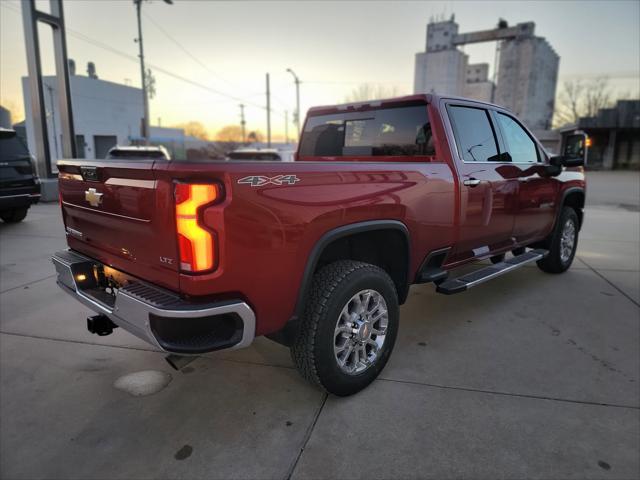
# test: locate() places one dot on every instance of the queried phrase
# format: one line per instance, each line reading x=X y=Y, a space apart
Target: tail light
x=196 y=244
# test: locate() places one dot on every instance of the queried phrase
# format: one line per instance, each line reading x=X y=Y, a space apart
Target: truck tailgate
x=119 y=213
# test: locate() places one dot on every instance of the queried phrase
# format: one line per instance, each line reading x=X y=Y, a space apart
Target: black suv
x=19 y=185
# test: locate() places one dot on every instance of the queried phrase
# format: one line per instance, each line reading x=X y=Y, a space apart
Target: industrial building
x=614 y=134
x=527 y=69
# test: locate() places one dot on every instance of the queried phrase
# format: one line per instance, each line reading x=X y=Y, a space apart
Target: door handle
x=472 y=182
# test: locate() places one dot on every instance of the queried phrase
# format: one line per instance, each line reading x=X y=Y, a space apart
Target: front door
x=487 y=198
x=537 y=194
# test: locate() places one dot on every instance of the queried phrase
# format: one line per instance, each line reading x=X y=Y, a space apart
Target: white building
x=104 y=114
x=527 y=79
x=442 y=67
x=477 y=84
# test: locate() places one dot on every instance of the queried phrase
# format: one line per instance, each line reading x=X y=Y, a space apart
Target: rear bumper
x=155 y=315
x=22 y=200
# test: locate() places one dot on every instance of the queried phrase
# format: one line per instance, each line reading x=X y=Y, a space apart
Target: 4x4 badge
x=261 y=180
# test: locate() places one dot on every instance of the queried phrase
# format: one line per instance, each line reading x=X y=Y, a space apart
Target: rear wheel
x=349 y=327
x=562 y=243
x=15 y=215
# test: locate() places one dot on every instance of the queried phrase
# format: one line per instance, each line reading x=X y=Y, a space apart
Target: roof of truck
x=391 y=102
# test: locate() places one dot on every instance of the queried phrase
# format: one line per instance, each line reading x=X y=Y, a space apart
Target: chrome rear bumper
x=156 y=315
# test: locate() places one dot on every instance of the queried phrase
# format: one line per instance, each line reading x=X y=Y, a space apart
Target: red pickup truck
x=319 y=253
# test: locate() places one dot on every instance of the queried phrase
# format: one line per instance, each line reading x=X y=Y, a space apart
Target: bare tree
x=229 y=133
x=371 y=91
x=597 y=96
x=194 y=129
x=580 y=98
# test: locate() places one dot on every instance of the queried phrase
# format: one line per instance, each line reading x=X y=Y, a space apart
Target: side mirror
x=574 y=151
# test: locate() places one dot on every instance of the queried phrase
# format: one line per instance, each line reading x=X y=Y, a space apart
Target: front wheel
x=349 y=327
x=562 y=243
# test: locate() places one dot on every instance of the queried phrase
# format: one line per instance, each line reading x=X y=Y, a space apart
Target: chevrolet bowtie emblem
x=93 y=197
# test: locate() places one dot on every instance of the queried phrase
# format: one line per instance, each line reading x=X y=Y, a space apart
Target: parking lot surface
x=528 y=376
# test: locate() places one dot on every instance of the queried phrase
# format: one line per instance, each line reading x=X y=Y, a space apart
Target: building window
x=80 y=153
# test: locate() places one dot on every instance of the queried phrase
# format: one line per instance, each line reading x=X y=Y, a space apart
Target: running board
x=457 y=285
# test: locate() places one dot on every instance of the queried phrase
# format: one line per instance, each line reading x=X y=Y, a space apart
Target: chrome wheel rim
x=360 y=331
x=567 y=241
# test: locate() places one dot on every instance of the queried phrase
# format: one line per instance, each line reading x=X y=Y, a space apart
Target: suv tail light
x=196 y=244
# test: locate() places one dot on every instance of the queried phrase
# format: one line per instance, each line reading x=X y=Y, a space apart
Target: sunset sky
x=333 y=46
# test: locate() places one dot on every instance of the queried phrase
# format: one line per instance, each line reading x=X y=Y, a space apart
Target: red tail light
x=196 y=244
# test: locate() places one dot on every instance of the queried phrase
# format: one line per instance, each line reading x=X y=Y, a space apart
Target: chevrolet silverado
x=319 y=253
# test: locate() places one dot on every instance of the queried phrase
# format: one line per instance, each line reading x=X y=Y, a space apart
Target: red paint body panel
x=264 y=234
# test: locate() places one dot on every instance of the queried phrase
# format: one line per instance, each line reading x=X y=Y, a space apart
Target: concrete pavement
x=529 y=376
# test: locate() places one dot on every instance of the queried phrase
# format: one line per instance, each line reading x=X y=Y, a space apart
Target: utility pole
x=297 y=114
x=268 y=114
x=286 y=126
x=243 y=124
x=145 y=99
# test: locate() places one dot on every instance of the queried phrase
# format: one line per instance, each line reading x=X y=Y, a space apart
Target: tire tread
x=325 y=282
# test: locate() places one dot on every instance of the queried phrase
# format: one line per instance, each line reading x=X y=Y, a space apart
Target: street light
x=145 y=100
x=297 y=82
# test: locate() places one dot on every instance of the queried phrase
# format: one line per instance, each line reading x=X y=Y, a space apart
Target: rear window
x=13 y=149
x=401 y=131
x=253 y=156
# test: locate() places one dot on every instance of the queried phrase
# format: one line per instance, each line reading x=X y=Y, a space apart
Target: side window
x=402 y=131
x=474 y=134
x=518 y=142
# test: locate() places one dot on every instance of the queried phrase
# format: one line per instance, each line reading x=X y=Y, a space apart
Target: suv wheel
x=562 y=243
x=349 y=327
x=15 y=215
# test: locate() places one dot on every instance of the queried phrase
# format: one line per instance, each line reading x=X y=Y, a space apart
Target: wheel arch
x=574 y=197
x=336 y=238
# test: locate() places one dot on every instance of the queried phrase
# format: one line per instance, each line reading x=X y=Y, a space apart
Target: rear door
x=116 y=211
x=487 y=198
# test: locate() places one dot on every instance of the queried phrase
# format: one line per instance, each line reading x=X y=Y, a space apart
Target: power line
x=184 y=49
x=99 y=44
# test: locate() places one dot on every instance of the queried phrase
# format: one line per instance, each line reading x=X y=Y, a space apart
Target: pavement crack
x=609 y=282
x=508 y=394
x=307 y=436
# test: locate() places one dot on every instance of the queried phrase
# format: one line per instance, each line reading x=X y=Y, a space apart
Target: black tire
x=14 y=216
x=497 y=258
x=555 y=262
x=313 y=347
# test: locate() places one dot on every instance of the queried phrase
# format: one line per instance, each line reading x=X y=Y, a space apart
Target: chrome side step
x=457 y=285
